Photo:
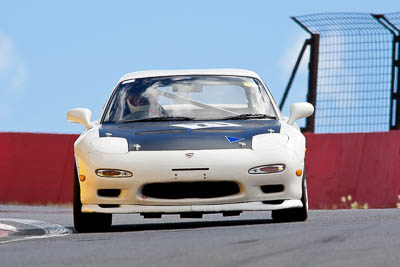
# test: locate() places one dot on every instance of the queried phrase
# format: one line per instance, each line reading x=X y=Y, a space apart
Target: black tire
x=87 y=222
x=294 y=214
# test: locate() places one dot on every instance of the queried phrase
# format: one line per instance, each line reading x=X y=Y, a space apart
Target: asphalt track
x=43 y=236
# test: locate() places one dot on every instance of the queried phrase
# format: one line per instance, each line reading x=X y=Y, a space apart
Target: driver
x=143 y=104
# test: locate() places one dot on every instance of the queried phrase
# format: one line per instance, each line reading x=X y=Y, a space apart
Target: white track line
x=51 y=230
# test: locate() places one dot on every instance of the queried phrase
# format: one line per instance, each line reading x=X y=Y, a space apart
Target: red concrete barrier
x=344 y=170
x=36 y=168
x=359 y=170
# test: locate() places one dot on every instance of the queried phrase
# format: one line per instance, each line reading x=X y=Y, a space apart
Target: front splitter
x=250 y=206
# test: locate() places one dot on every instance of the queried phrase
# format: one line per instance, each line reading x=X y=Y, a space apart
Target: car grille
x=274 y=188
x=109 y=192
x=182 y=190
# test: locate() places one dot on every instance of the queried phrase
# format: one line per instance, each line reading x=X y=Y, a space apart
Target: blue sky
x=56 y=55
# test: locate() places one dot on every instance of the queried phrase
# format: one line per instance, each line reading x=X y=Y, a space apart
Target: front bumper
x=158 y=167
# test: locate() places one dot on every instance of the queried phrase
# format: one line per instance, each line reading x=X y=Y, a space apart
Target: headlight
x=113 y=173
x=110 y=145
x=269 y=141
x=267 y=169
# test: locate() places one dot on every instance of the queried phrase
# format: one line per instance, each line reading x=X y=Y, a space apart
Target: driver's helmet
x=137 y=100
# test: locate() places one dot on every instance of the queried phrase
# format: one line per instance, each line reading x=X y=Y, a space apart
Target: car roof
x=161 y=73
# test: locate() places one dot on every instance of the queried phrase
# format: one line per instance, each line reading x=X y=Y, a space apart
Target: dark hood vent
x=160 y=132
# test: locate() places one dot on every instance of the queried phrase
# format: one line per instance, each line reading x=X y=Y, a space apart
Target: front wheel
x=87 y=222
x=294 y=214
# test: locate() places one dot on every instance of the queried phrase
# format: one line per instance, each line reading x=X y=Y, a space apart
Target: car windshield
x=196 y=97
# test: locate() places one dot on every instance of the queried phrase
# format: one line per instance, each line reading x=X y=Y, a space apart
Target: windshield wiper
x=167 y=118
x=251 y=116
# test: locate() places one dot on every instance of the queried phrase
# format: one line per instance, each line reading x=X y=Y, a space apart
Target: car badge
x=137 y=146
x=271 y=130
x=108 y=134
x=189 y=155
x=233 y=139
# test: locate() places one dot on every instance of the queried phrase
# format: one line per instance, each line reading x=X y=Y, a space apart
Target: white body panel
x=224 y=165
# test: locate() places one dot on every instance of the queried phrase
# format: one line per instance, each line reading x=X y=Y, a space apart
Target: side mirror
x=300 y=110
x=80 y=115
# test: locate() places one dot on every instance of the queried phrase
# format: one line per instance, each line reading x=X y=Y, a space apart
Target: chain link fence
x=356 y=86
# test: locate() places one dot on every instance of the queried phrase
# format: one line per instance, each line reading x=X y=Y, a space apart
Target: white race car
x=189 y=142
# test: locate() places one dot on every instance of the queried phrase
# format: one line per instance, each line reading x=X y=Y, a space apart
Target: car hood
x=190 y=135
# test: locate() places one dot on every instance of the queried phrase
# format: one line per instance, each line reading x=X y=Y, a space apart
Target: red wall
x=36 y=168
x=353 y=170
x=343 y=170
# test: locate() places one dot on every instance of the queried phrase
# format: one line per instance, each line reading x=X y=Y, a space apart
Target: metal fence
x=353 y=71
